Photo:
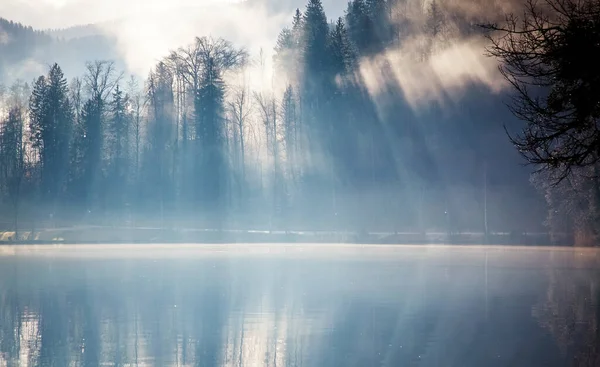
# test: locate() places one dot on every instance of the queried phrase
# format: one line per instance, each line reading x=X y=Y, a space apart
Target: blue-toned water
x=299 y=305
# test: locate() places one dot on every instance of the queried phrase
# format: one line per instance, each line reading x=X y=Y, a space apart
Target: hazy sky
x=65 y=13
x=145 y=31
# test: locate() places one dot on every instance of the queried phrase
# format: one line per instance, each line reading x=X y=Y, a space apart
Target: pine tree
x=38 y=112
x=284 y=52
x=315 y=32
x=118 y=134
x=92 y=142
x=76 y=163
x=342 y=59
x=289 y=116
x=117 y=145
x=297 y=31
x=216 y=57
x=12 y=160
x=51 y=123
x=378 y=13
x=160 y=136
x=210 y=130
x=315 y=77
x=297 y=24
x=360 y=26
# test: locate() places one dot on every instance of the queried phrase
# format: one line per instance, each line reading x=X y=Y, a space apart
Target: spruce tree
x=315 y=31
x=118 y=134
x=91 y=150
x=159 y=154
x=360 y=26
x=12 y=160
x=341 y=55
x=51 y=123
x=289 y=116
x=315 y=78
x=38 y=113
x=378 y=14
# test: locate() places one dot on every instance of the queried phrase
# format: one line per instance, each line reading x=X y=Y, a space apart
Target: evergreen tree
x=160 y=137
x=118 y=134
x=92 y=143
x=210 y=130
x=118 y=144
x=360 y=26
x=289 y=48
x=315 y=77
x=378 y=13
x=315 y=32
x=50 y=124
x=38 y=113
x=297 y=24
x=76 y=160
x=216 y=57
x=342 y=59
x=12 y=159
x=284 y=53
x=289 y=117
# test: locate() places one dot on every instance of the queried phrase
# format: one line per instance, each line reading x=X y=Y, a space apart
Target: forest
x=337 y=136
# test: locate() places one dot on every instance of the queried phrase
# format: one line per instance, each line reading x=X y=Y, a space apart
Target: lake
x=298 y=305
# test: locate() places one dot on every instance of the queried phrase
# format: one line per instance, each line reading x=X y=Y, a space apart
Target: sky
x=146 y=30
x=67 y=13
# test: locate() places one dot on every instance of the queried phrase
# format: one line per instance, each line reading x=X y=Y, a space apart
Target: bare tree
x=76 y=90
x=241 y=108
x=101 y=78
x=188 y=64
x=268 y=111
x=12 y=163
x=550 y=56
x=137 y=104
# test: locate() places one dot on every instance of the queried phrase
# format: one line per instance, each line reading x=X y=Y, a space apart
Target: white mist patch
x=441 y=77
x=24 y=69
x=146 y=37
x=4 y=38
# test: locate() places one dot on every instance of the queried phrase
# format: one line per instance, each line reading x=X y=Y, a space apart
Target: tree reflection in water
x=241 y=312
x=570 y=312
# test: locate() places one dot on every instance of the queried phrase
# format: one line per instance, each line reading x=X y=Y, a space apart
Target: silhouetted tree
x=51 y=119
x=289 y=122
x=216 y=57
x=12 y=160
x=550 y=55
x=160 y=137
x=118 y=144
x=360 y=26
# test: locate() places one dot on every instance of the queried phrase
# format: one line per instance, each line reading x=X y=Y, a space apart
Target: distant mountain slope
x=79 y=31
x=26 y=53
x=18 y=45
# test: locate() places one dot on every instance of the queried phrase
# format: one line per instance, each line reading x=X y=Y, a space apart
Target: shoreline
x=124 y=235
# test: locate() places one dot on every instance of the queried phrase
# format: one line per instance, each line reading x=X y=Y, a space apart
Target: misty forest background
x=200 y=143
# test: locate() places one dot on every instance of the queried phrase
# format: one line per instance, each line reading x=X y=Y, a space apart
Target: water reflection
x=570 y=312
x=463 y=307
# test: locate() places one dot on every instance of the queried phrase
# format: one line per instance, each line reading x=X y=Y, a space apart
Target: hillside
x=25 y=53
x=18 y=45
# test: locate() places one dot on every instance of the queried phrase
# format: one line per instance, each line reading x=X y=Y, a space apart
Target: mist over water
x=248 y=160
x=299 y=306
x=373 y=116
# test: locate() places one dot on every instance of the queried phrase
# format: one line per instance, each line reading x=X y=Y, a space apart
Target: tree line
x=197 y=143
x=549 y=56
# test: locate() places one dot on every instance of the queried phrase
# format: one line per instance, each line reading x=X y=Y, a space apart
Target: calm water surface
x=298 y=306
